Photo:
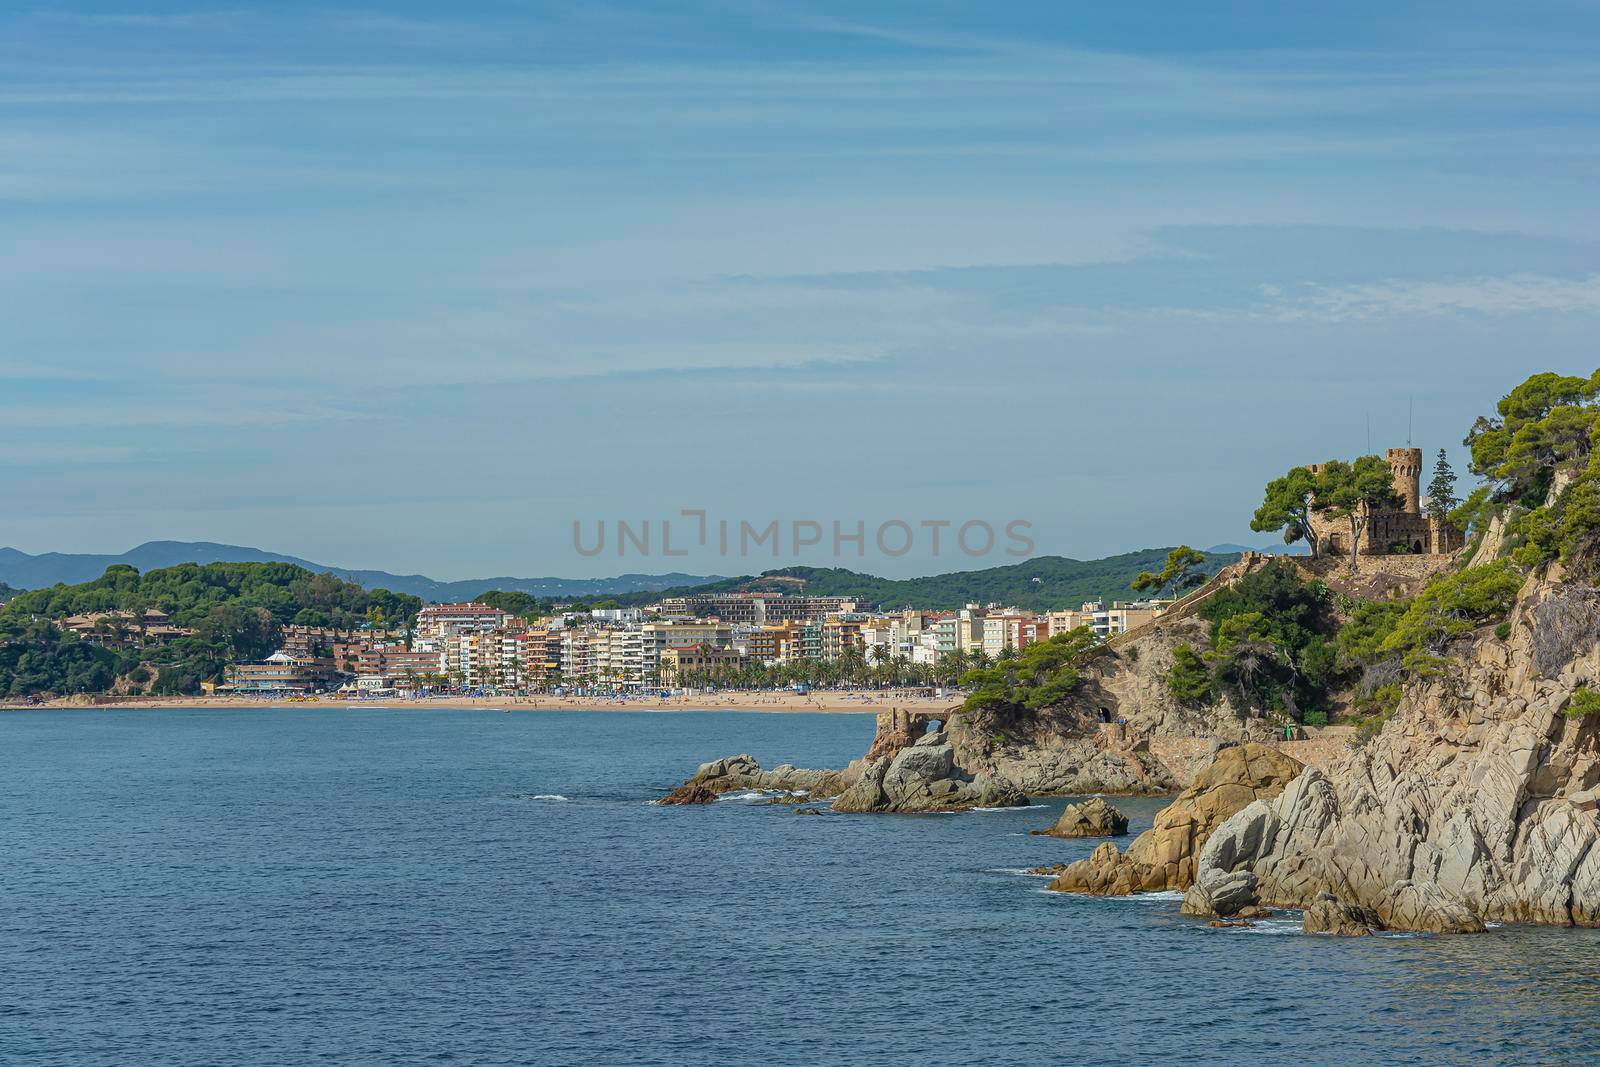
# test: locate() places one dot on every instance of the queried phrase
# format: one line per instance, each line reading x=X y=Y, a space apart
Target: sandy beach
x=840 y=702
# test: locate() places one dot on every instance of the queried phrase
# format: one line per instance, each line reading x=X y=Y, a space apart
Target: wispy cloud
x=239 y=241
x=1516 y=294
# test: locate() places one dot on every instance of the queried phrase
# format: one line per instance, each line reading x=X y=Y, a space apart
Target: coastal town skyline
x=412 y=288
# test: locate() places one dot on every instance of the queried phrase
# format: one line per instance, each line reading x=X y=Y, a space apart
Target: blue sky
x=414 y=286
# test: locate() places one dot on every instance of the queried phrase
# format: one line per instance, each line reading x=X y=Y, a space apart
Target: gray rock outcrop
x=1327 y=914
x=742 y=772
x=1092 y=818
x=1476 y=802
x=924 y=777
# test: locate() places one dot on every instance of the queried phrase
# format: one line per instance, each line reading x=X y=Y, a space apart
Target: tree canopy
x=1539 y=457
x=1546 y=421
x=189 y=592
x=1442 y=499
x=1352 y=492
x=1042 y=674
x=1287 y=507
x=1178 y=574
x=1268 y=642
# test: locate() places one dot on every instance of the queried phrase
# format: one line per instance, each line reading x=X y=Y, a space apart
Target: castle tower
x=1406 y=466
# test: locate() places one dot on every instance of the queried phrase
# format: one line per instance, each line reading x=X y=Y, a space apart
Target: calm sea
x=448 y=886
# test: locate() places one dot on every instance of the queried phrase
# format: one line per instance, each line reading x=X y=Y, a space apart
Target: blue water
x=370 y=886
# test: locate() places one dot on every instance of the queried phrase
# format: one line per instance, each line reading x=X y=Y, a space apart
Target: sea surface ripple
x=450 y=886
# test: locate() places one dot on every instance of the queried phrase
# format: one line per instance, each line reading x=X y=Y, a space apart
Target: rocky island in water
x=1456 y=651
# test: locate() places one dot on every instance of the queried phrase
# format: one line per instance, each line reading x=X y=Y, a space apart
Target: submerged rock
x=1093 y=818
x=737 y=773
x=689 y=793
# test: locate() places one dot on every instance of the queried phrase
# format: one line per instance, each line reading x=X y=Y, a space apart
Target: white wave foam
x=750 y=796
x=1021 y=872
x=547 y=796
x=1270 y=927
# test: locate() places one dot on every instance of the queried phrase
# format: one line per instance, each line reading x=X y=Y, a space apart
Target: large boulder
x=1329 y=915
x=1221 y=894
x=1093 y=818
x=922 y=778
x=1164 y=857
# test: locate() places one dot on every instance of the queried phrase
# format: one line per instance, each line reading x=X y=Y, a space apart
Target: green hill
x=236 y=610
x=1040 y=584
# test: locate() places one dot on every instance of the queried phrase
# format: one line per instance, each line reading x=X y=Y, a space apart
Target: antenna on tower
x=1411 y=405
x=1369 y=433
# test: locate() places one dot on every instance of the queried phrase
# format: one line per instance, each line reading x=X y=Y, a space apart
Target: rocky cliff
x=1069 y=750
x=1475 y=802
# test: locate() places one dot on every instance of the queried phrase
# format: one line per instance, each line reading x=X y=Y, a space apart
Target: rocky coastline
x=1476 y=803
x=965 y=760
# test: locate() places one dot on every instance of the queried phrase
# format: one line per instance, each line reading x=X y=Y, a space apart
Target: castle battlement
x=1405 y=528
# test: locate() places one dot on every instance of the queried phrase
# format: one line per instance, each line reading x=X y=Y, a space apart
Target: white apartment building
x=1120 y=617
x=1010 y=630
x=618 y=658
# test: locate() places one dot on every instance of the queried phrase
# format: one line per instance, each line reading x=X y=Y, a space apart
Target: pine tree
x=1442 y=489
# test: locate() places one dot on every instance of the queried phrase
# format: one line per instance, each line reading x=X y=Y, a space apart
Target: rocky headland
x=908 y=769
x=1475 y=803
x=1096 y=741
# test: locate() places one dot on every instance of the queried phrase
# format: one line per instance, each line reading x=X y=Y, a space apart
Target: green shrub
x=1042 y=674
x=1268 y=638
x=1383 y=700
x=1450 y=607
x=1316 y=718
x=1189 y=678
x=1369 y=727
x=1503 y=630
x=1584 y=702
x=1368 y=625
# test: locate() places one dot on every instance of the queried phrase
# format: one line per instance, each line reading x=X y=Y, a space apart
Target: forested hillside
x=236 y=611
x=1040 y=584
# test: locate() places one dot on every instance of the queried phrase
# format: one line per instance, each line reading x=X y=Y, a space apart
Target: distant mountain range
x=1041 y=582
x=1299 y=548
x=26 y=571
